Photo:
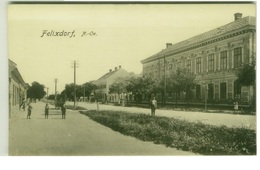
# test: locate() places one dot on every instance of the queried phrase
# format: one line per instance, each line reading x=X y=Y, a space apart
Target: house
x=103 y=83
x=17 y=89
x=214 y=57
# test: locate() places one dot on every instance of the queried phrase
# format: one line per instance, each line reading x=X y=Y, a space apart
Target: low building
x=17 y=89
x=103 y=83
x=214 y=57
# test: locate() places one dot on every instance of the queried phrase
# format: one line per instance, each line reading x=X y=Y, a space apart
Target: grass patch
x=188 y=136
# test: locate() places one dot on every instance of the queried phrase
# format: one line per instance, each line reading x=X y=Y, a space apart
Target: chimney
x=110 y=70
x=168 y=45
x=115 y=68
x=238 y=16
x=119 y=66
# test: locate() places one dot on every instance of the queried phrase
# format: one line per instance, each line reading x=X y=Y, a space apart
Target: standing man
x=46 y=111
x=63 y=111
x=153 y=106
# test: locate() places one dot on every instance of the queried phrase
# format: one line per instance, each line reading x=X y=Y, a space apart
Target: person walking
x=63 y=111
x=46 y=111
x=29 y=111
x=153 y=106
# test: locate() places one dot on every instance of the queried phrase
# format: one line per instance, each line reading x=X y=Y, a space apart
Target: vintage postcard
x=132 y=79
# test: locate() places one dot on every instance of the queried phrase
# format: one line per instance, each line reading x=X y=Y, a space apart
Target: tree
x=88 y=88
x=181 y=81
x=246 y=74
x=136 y=86
x=142 y=85
x=36 y=91
x=120 y=85
x=69 y=91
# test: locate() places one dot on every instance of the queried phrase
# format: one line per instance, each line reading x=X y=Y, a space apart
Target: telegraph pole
x=56 y=81
x=47 y=92
x=84 y=93
x=206 y=92
x=164 y=100
x=75 y=64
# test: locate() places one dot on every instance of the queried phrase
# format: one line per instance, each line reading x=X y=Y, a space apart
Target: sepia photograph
x=132 y=79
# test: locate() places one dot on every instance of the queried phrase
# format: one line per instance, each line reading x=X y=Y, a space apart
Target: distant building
x=213 y=56
x=17 y=89
x=103 y=83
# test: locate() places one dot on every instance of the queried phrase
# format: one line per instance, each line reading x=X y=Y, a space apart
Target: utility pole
x=75 y=64
x=206 y=90
x=47 y=92
x=56 y=81
x=84 y=93
x=164 y=100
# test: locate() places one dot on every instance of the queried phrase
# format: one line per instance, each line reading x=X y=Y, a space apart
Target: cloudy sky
x=125 y=35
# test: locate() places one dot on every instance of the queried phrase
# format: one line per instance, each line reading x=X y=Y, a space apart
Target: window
x=179 y=65
x=210 y=91
x=237 y=57
x=198 y=65
x=170 y=66
x=223 y=60
x=188 y=65
x=198 y=94
x=211 y=62
x=223 y=90
x=237 y=89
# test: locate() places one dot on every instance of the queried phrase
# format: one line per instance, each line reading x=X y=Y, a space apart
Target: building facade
x=17 y=89
x=104 y=82
x=214 y=57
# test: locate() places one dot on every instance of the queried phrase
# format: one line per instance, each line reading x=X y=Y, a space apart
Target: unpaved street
x=76 y=135
x=229 y=120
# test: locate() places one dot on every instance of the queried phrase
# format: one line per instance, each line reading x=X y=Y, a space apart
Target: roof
x=235 y=25
x=14 y=73
x=107 y=75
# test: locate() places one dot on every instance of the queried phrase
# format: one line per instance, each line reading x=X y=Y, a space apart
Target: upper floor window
x=170 y=66
x=188 y=65
x=198 y=65
x=179 y=65
x=223 y=60
x=237 y=57
x=211 y=62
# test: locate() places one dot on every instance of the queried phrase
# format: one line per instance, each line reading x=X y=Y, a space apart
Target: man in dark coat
x=63 y=111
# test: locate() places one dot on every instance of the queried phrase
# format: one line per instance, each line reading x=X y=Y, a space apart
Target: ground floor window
x=237 y=90
x=210 y=91
x=223 y=90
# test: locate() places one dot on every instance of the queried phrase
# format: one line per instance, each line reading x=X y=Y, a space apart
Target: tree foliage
x=88 y=88
x=246 y=74
x=36 y=91
x=181 y=81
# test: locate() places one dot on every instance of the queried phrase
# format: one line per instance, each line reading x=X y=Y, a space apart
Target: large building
x=104 y=82
x=213 y=56
x=17 y=89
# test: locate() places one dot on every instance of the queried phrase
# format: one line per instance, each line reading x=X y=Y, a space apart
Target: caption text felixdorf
x=70 y=34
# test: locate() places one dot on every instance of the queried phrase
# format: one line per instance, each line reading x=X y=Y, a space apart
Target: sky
x=124 y=35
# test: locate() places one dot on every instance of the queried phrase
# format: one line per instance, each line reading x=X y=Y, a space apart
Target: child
x=29 y=111
x=46 y=111
x=153 y=106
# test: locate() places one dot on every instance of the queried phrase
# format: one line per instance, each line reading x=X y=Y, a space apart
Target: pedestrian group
x=46 y=110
